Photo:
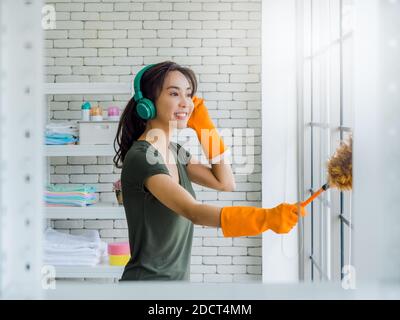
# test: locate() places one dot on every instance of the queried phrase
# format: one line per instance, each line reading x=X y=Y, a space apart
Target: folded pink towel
x=118 y=248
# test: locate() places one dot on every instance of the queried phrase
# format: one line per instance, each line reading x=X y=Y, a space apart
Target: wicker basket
x=118 y=194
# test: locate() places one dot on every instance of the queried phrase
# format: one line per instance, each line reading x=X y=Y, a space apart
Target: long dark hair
x=131 y=126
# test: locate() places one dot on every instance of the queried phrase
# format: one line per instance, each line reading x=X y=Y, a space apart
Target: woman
x=156 y=177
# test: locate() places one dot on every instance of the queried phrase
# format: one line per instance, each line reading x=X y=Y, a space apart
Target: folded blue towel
x=60 y=138
x=68 y=188
x=70 y=195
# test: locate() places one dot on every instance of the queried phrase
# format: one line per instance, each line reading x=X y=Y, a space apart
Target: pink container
x=113 y=112
x=118 y=248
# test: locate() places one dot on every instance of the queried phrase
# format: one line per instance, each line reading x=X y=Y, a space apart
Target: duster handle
x=314 y=195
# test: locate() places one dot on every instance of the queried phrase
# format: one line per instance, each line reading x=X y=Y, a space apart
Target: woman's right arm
x=234 y=221
x=176 y=198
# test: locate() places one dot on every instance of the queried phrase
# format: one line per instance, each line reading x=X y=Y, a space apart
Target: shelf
x=79 y=150
x=88 y=88
x=100 y=271
x=101 y=210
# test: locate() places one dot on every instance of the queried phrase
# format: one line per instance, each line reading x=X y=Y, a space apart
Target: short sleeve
x=141 y=164
x=183 y=155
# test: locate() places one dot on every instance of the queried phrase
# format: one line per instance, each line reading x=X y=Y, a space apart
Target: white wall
x=376 y=144
x=279 y=134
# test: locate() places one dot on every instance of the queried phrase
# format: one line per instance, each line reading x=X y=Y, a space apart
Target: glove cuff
x=212 y=143
x=243 y=221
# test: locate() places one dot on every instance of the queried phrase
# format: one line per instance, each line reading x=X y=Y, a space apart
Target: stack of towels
x=64 y=249
x=76 y=196
x=61 y=133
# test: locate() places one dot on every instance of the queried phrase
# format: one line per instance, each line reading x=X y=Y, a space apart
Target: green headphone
x=144 y=107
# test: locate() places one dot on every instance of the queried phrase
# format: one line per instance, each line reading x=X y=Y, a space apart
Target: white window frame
x=325 y=118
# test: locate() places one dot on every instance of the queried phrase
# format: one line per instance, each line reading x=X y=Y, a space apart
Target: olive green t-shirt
x=160 y=239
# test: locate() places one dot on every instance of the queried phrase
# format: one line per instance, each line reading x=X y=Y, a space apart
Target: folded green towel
x=64 y=188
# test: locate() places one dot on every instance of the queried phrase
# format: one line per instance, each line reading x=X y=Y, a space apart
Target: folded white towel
x=85 y=249
x=59 y=240
x=70 y=261
x=72 y=252
x=62 y=127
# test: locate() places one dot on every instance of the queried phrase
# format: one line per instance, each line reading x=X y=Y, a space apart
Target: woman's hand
x=206 y=132
x=200 y=118
x=251 y=221
x=283 y=217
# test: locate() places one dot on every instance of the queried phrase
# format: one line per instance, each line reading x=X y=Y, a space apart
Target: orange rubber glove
x=200 y=121
x=251 y=221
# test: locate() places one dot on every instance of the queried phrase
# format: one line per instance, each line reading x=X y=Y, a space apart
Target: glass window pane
x=334 y=18
x=317 y=204
x=316 y=90
x=315 y=26
x=320 y=25
x=307 y=28
x=307 y=89
x=348 y=82
x=324 y=26
x=347 y=254
x=324 y=87
x=347 y=16
x=327 y=103
x=334 y=86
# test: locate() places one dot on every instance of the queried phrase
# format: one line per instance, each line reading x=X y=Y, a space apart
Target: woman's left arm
x=219 y=176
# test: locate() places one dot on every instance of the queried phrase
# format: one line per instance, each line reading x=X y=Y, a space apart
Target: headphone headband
x=136 y=83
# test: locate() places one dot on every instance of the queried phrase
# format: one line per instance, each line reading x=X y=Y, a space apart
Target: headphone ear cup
x=146 y=109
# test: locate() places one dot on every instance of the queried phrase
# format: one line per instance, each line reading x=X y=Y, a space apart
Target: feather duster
x=340 y=171
x=340 y=167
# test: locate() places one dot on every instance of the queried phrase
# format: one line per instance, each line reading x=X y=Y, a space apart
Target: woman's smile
x=181 y=115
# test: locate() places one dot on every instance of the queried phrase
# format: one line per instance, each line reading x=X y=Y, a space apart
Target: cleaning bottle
x=113 y=113
x=86 y=111
x=96 y=114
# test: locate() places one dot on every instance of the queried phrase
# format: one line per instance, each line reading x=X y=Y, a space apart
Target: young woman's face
x=175 y=105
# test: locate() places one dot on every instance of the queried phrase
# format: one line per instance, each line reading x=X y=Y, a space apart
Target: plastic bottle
x=96 y=114
x=86 y=111
x=113 y=113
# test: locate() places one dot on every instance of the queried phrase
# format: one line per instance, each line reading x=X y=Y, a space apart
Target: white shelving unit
x=79 y=150
x=100 y=210
x=100 y=271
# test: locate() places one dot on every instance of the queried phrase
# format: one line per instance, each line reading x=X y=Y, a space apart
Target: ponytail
x=130 y=128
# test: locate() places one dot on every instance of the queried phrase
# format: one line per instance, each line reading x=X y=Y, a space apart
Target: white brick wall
x=109 y=41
